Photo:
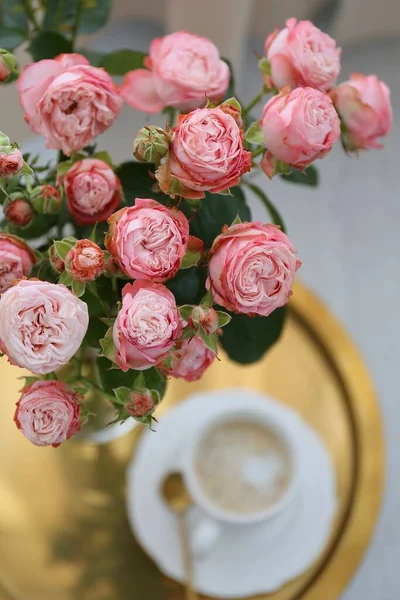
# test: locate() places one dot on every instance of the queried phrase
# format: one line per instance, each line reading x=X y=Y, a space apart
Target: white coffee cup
x=208 y=519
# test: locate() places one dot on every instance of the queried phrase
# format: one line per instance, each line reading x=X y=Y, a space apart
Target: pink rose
x=299 y=127
x=142 y=403
x=363 y=104
x=302 y=55
x=16 y=260
x=48 y=412
x=252 y=267
x=146 y=326
x=11 y=162
x=19 y=212
x=206 y=153
x=206 y=317
x=68 y=101
x=183 y=70
x=189 y=359
x=85 y=261
x=93 y=191
x=148 y=239
x=42 y=325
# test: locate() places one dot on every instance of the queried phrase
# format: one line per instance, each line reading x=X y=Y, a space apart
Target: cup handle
x=204 y=532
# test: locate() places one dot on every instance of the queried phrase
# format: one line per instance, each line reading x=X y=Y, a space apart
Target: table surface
x=347 y=235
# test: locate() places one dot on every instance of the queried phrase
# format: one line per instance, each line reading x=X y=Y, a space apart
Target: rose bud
x=298 y=128
x=93 y=191
x=189 y=359
x=46 y=199
x=68 y=101
x=147 y=325
x=302 y=55
x=206 y=154
x=16 y=260
x=141 y=404
x=183 y=70
x=55 y=260
x=251 y=269
x=207 y=317
x=85 y=261
x=363 y=104
x=48 y=412
x=19 y=212
x=8 y=63
x=151 y=144
x=148 y=239
x=57 y=324
x=11 y=161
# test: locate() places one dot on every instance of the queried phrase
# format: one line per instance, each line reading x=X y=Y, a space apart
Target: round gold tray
x=63 y=528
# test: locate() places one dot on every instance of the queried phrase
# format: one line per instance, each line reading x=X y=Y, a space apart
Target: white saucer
x=246 y=560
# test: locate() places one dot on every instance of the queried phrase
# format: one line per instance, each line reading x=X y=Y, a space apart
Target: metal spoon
x=178 y=498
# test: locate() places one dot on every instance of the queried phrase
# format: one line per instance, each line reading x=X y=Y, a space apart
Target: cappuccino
x=243 y=467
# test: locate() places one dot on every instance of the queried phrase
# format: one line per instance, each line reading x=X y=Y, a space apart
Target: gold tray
x=63 y=529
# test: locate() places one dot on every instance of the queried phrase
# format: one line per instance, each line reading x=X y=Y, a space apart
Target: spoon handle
x=187 y=558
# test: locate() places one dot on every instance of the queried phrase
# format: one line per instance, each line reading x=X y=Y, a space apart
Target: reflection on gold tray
x=63 y=528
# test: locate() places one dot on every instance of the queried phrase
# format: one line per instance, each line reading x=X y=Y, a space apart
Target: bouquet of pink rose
x=140 y=270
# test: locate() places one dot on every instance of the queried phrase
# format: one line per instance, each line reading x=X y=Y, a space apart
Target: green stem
x=30 y=11
x=171 y=112
x=252 y=104
x=77 y=22
x=4 y=192
x=276 y=217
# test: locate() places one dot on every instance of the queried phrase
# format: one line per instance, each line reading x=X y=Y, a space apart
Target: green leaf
x=78 y=287
x=236 y=221
x=92 y=236
x=188 y=285
x=191 y=259
x=104 y=156
x=64 y=167
x=48 y=44
x=91 y=287
x=60 y=14
x=94 y=15
x=13 y=14
x=113 y=378
x=207 y=300
x=65 y=279
x=254 y=134
x=137 y=182
x=185 y=311
x=209 y=340
x=11 y=37
x=246 y=339
x=90 y=15
x=223 y=318
x=217 y=211
x=275 y=215
x=107 y=345
x=155 y=380
x=63 y=247
x=308 y=177
x=122 y=394
x=96 y=330
x=121 y=62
